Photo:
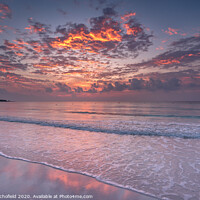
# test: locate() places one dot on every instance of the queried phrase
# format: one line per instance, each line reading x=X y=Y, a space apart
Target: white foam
x=136 y=127
x=160 y=166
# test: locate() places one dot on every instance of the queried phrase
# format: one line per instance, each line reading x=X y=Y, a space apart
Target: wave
x=134 y=115
x=147 y=194
x=123 y=127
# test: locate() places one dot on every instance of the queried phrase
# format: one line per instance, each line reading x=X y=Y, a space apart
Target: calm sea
x=152 y=148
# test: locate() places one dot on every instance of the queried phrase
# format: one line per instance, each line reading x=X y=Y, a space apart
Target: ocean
x=152 y=148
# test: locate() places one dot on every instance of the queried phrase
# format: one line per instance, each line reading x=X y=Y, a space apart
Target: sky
x=100 y=50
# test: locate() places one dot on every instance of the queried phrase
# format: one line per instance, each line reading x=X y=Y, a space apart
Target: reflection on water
x=165 y=167
x=159 y=166
x=18 y=177
x=100 y=110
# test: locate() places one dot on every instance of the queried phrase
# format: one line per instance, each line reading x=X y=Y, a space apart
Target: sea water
x=153 y=148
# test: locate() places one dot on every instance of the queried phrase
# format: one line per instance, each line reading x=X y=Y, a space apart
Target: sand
x=25 y=180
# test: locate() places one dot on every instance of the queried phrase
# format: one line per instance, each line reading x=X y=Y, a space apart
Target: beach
x=148 y=148
x=100 y=99
x=33 y=181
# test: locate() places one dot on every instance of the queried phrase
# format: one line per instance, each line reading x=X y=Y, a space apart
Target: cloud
x=13 y=46
x=63 y=87
x=172 y=31
x=72 y=71
x=3 y=28
x=179 y=79
x=106 y=35
x=117 y=86
x=71 y=48
x=187 y=44
x=94 y=85
x=84 y=58
x=91 y=90
x=7 y=63
x=62 y=11
x=127 y=16
x=37 y=27
x=109 y=11
x=22 y=84
x=5 y=12
x=181 y=53
x=48 y=90
x=141 y=84
x=78 y=90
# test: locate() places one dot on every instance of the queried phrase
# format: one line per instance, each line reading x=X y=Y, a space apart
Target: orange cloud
x=84 y=41
x=18 y=54
x=13 y=46
x=171 y=31
x=126 y=17
x=35 y=29
x=38 y=47
x=44 y=65
x=21 y=42
x=166 y=62
x=177 y=60
x=132 y=30
x=3 y=70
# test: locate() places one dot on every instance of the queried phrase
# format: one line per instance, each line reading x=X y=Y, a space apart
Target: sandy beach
x=20 y=179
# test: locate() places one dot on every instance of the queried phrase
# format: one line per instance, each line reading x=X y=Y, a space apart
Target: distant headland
x=4 y=100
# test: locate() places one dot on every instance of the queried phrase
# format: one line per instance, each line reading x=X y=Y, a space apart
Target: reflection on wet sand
x=19 y=177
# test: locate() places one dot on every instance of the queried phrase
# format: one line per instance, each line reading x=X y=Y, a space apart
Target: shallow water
x=31 y=179
x=74 y=137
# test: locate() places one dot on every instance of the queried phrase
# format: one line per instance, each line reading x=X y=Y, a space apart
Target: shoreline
x=130 y=194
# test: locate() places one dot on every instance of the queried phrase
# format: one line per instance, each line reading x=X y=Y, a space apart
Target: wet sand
x=24 y=178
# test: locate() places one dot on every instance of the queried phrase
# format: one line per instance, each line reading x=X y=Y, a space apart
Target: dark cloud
x=94 y=85
x=109 y=87
x=109 y=11
x=187 y=44
x=78 y=90
x=8 y=63
x=72 y=71
x=167 y=81
x=120 y=87
x=63 y=87
x=41 y=72
x=62 y=11
x=48 y=90
x=156 y=84
x=141 y=84
x=136 y=84
x=181 y=53
x=91 y=90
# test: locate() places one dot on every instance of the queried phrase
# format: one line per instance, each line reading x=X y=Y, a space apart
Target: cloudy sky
x=121 y=50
